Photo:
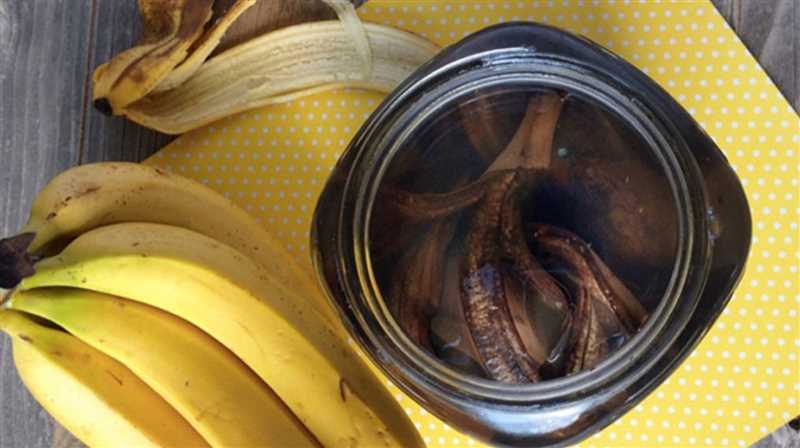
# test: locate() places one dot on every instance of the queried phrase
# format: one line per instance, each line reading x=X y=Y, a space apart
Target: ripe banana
x=209 y=386
x=94 y=195
x=96 y=398
x=279 y=334
x=289 y=63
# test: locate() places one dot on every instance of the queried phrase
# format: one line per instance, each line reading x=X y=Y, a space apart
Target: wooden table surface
x=48 y=49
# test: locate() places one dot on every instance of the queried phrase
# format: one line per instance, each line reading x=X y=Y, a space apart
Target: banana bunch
x=168 y=83
x=152 y=311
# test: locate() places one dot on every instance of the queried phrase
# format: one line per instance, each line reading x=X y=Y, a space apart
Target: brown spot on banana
x=344 y=389
x=116 y=378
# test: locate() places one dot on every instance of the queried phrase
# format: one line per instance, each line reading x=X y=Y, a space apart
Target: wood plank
x=42 y=79
x=116 y=27
x=64 y=439
x=771 y=31
x=725 y=7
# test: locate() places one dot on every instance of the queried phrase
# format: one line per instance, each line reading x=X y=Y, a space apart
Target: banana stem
x=15 y=261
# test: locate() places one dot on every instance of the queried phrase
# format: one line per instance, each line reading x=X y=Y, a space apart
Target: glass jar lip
x=541 y=71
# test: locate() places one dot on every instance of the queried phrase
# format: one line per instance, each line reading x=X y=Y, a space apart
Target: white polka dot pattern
x=743 y=380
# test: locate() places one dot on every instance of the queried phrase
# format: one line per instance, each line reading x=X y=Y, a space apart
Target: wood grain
x=771 y=31
x=47 y=51
x=42 y=73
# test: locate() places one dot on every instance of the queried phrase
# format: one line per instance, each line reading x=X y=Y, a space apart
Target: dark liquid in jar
x=523 y=235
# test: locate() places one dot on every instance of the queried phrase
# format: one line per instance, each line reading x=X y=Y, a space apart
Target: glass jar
x=629 y=171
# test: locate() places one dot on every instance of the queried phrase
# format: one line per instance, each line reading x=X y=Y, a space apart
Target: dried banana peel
x=344 y=9
x=204 y=47
x=170 y=29
x=279 y=66
x=346 y=12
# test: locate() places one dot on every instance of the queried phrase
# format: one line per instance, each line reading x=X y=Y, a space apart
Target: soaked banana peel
x=168 y=84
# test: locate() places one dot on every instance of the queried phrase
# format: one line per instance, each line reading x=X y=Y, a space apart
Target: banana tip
x=103 y=106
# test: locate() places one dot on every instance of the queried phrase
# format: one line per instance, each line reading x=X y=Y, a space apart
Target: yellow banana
x=209 y=386
x=96 y=398
x=279 y=334
x=94 y=195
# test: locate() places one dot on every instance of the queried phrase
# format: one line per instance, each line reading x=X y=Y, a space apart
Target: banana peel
x=168 y=83
x=281 y=66
x=203 y=49
x=346 y=12
x=170 y=29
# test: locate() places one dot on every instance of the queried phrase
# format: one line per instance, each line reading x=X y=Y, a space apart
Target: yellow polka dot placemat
x=743 y=381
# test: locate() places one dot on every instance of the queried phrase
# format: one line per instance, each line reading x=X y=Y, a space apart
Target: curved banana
x=209 y=386
x=96 y=398
x=279 y=334
x=94 y=195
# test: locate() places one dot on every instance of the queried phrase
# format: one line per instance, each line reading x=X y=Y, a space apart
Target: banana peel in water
x=168 y=85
